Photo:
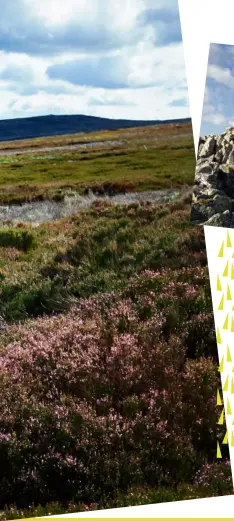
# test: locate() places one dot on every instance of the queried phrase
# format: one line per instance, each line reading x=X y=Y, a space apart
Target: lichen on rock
x=213 y=193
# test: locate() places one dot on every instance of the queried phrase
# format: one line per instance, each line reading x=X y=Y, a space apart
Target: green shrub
x=133 y=497
x=15 y=238
x=41 y=297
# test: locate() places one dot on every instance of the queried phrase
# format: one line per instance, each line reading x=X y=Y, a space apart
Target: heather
x=138 y=495
x=97 y=400
x=109 y=362
x=98 y=250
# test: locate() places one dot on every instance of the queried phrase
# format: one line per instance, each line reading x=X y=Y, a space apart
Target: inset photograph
x=109 y=383
x=213 y=193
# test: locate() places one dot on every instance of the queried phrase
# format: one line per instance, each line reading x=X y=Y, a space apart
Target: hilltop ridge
x=52 y=125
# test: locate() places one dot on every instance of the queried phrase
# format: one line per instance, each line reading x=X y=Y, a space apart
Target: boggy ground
x=108 y=382
x=148 y=158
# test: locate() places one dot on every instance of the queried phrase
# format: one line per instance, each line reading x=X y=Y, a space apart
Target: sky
x=96 y=57
x=218 y=106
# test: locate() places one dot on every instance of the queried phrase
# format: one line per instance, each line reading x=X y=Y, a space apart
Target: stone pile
x=213 y=193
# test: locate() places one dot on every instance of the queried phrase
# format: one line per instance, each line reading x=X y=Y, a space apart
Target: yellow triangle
x=232 y=387
x=225 y=273
x=218 y=336
x=218 y=453
x=232 y=274
x=229 y=295
x=225 y=325
x=221 y=365
x=225 y=439
x=229 y=358
x=220 y=308
x=219 y=287
x=221 y=251
x=225 y=387
x=232 y=440
x=232 y=328
x=228 y=243
x=219 y=399
x=229 y=411
x=221 y=418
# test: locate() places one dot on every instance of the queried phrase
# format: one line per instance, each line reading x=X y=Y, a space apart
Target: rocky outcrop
x=213 y=193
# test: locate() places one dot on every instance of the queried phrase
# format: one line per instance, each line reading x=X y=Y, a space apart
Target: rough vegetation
x=108 y=361
x=143 y=133
x=119 y=390
x=136 y=164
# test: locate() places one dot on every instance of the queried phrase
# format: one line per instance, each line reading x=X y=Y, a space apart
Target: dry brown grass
x=152 y=131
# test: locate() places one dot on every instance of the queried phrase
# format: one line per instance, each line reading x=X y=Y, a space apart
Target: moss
x=130 y=166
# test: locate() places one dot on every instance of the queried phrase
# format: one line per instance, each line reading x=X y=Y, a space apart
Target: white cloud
x=216 y=119
x=212 y=113
x=152 y=103
x=220 y=75
x=36 y=35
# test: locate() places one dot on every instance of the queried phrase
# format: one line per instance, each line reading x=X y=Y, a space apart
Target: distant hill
x=43 y=126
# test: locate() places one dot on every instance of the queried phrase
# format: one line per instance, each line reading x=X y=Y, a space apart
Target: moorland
x=149 y=158
x=108 y=354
